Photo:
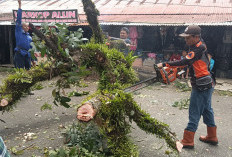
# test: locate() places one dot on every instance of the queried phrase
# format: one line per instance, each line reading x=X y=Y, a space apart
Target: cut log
x=4 y=102
x=86 y=112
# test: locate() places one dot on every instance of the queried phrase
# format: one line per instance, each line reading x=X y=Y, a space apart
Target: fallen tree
x=110 y=107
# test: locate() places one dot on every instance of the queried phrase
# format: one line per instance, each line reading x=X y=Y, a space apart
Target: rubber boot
x=188 y=139
x=211 y=137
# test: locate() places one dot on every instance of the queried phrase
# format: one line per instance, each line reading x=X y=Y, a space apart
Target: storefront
x=6 y=44
x=154 y=25
x=7 y=28
x=163 y=41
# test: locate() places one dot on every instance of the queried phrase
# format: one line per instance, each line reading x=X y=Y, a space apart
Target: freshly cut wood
x=4 y=102
x=88 y=109
x=86 y=112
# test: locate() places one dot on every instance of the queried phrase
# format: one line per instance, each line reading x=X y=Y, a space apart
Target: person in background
x=123 y=43
x=202 y=88
x=124 y=33
x=186 y=69
x=212 y=67
x=22 y=57
x=211 y=60
x=167 y=57
x=175 y=57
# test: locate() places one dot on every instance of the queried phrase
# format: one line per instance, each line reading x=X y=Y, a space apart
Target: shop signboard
x=48 y=16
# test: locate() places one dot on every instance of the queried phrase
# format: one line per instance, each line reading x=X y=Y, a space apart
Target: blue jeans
x=21 y=61
x=200 y=104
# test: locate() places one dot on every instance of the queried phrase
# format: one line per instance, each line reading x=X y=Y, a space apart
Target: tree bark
x=92 y=13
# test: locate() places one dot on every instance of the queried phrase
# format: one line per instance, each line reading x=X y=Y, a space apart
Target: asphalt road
x=157 y=100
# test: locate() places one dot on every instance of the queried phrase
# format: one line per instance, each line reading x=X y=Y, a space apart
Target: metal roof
x=135 y=12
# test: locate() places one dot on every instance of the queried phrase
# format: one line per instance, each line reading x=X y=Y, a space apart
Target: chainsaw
x=164 y=75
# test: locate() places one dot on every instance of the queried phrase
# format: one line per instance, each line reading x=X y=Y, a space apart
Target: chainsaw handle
x=166 y=75
x=159 y=75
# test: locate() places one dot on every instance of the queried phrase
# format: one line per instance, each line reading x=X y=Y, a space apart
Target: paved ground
x=157 y=100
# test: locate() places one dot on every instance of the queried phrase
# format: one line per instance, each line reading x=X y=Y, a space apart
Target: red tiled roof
x=142 y=12
x=167 y=19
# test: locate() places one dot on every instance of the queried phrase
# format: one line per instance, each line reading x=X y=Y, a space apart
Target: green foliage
x=182 y=86
x=149 y=124
x=182 y=104
x=113 y=113
x=20 y=76
x=75 y=93
x=46 y=106
x=82 y=71
x=118 y=45
x=59 y=99
x=75 y=39
x=224 y=93
x=117 y=107
x=72 y=77
x=72 y=152
x=38 y=46
x=122 y=146
x=66 y=41
x=15 y=85
x=37 y=86
x=130 y=58
x=87 y=137
x=81 y=141
x=20 y=82
x=41 y=72
x=16 y=152
x=113 y=67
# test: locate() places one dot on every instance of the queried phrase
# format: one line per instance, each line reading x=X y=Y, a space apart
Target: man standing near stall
x=123 y=43
x=22 y=58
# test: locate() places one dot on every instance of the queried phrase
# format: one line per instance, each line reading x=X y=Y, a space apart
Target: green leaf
x=16 y=152
x=65 y=104
x=54 y=93
x=67 y=51
x=84 y=39
x=43 y=51
x=65 y=99
x=74 y=93
x=55 y=102
x=46 y=106
x=73 y=151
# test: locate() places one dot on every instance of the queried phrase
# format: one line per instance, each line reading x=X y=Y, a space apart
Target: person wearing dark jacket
x=123 y=43
x=22 y=58
x=202 y=87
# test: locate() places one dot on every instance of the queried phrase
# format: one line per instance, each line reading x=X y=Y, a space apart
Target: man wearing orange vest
x=202 y=87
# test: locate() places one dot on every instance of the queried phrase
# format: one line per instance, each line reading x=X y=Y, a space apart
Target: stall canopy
x=135 y=12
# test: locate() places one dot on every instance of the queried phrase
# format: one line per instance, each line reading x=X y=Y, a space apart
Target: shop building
x=154 y=24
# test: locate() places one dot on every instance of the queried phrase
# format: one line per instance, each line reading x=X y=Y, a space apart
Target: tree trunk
x=92 y=13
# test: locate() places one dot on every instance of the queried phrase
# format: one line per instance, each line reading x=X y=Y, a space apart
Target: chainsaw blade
x=141 y=84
